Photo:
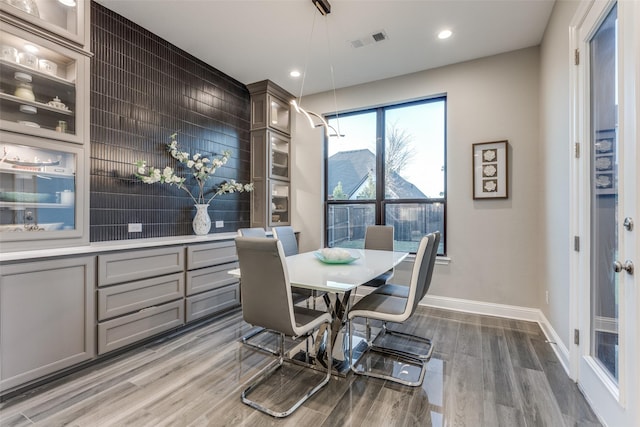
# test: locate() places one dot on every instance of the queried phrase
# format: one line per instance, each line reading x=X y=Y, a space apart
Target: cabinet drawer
x=133 y=265
x=122 y=299
x=208 y=254
x=212 y=302
x=210 y=278
x=128 y=329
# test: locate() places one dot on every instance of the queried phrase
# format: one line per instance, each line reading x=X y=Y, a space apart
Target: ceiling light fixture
x=444 y=34
x=294 y=73
x=70 y=3
x=324 y=8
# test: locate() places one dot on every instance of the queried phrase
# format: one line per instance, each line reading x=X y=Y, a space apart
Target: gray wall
x=494 y=245
x=555 y=155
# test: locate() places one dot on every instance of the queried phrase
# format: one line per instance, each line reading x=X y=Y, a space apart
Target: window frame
x=381 y=202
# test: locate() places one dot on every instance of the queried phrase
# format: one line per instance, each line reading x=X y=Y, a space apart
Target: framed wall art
x=490 y=170
x=604 y=168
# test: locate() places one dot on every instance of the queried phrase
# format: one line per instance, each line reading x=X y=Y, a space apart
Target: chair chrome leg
x=254 y=333
x=404 y=358
x=426 y=342
x=272 y=368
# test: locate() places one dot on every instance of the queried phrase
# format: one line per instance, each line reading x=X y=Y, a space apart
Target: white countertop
x=116 y=245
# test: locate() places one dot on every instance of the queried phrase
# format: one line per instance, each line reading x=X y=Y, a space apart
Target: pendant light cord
x=306 y=61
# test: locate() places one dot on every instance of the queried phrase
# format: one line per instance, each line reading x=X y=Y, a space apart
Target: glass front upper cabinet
x=38 y=191
x=279 y=204
x=279 y=156
x=39 y=87
x=65 y=18
x=279 y=114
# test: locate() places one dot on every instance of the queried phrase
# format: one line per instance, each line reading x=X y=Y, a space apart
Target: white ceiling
x=253 y=40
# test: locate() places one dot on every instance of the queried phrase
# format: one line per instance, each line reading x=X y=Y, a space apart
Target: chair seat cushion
x=300 y=295
x=308 y=319
x=379 y=280
x=393 y=290
x=380 y=307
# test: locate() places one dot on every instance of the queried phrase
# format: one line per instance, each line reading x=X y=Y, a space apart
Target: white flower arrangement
x=202 y=168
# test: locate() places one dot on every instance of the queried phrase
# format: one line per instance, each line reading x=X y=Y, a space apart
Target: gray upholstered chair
x=379 y=237
x=287 y=236
x=267 y=302
x=259 y=232
x=299 y=295
x=403 y=292
x=252 y=232
x=395 y=309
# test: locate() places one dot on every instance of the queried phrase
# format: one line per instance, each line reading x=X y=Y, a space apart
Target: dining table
x=336 y=280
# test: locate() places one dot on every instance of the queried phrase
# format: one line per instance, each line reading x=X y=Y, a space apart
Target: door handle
x=627 y=266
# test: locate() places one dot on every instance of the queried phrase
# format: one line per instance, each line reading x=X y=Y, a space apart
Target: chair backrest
x=432 y=264
x=264 y=285
x=422 y=270
x=379 y=237
x=252 y=232
x=288 y=239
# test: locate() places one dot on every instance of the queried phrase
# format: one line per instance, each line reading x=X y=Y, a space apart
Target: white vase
x=202 y=222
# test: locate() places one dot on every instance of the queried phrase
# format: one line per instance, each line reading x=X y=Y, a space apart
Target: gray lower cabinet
x=209 y=288
x=54 y=312
x=47 y=318
x=145 y=323
x=122 y=299
x=124 y=266
x=212 y=302
x=140 y=294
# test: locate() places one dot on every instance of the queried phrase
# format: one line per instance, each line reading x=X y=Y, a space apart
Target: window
x=388 y=167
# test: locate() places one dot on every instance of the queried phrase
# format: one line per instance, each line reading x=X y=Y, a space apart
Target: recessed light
x=295 y=73
x=30 y=48
x=70 y=3
x=444 y=34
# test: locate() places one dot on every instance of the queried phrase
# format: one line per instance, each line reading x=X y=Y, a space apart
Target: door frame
x=614 y=404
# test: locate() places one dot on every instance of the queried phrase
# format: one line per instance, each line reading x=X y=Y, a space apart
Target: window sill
x=440 y=260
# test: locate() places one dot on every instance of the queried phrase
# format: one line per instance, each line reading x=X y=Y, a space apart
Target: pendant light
x=324 y=8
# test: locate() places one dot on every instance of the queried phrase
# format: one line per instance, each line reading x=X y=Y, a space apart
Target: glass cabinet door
x=279 y=156
x=65 y=18
x=38 y=87
x=279 y=203
x=279 y=114
x=38 y=191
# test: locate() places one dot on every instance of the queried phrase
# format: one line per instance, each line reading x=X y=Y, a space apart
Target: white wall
x=494 y=246
x=555 y=154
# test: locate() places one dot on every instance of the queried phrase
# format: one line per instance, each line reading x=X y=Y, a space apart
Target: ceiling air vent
x=376 y=37
x=379 y=36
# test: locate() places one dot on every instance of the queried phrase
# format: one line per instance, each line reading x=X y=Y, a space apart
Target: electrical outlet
x=546 y=296
x=219 y=224
x=135 y=228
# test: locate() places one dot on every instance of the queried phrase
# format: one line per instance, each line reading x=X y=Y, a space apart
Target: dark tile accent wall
x=143 y=89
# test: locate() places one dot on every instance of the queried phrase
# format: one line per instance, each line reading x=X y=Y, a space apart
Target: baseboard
x=559 y=348
x=507 y=311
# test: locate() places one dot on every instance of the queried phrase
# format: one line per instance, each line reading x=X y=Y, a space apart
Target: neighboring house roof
x=351 y=168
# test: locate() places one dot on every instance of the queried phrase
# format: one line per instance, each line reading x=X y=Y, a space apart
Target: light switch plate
x=135 y=228
x=219 y=224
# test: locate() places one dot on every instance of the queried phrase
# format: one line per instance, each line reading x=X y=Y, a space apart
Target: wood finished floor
x=485 y=371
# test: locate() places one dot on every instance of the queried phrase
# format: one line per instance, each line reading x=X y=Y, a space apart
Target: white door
x=607 y=183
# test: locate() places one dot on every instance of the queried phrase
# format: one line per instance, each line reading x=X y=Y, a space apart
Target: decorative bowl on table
x=335 y=256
